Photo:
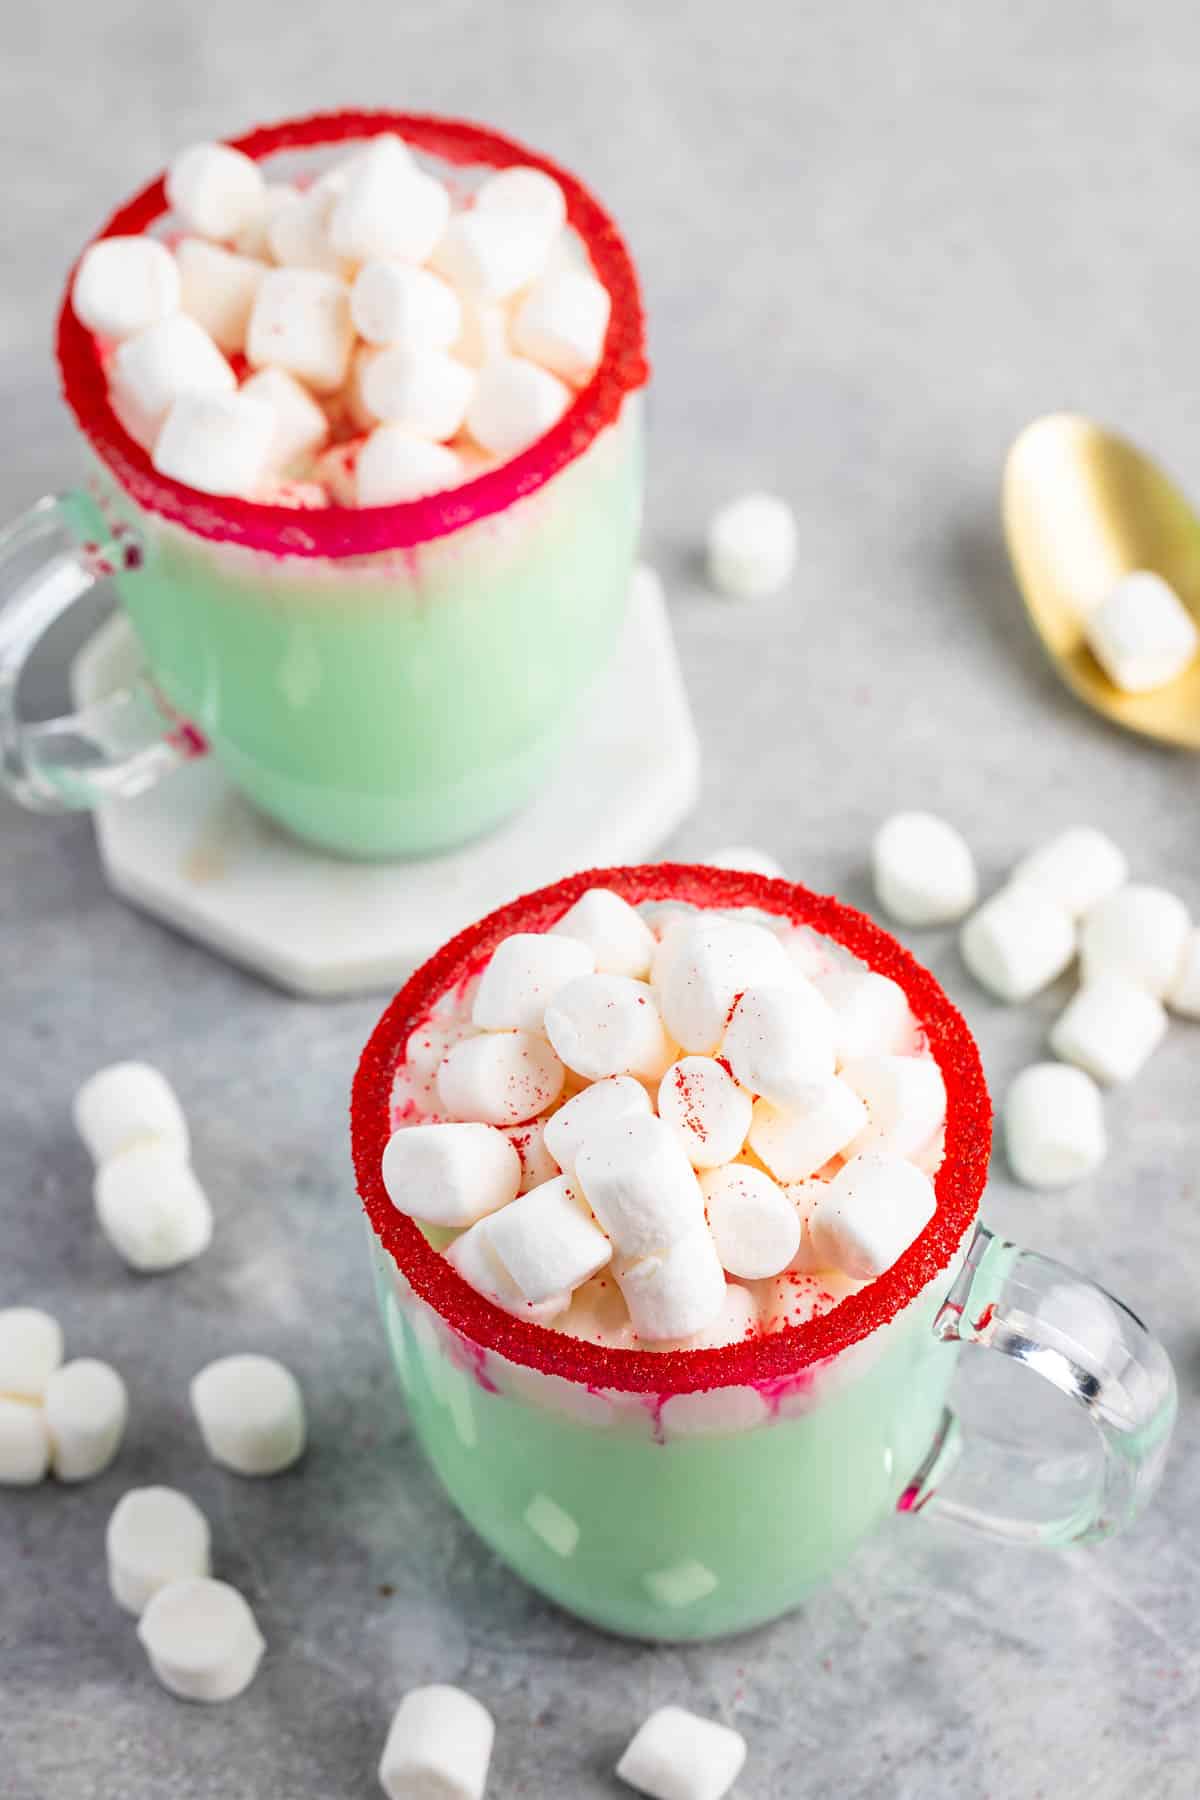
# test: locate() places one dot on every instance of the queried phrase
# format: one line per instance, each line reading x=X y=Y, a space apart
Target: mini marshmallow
x=779 y=1041
x=394 y=303
x=736 y=1321
x=751 y=546
x=527 y=194
x=218 y=443
x=608 y=1025
x=754 y=1225
x=250 y=1412
x=438 y=1746
x=548 y=1241
x=637 y=1179
x=676 y=1291
x=450 y=1174
x=905 y=1098
x=393 y=467
x=301 y=323
x=1141 y=634
x=300 y=429
x=1054 y=1126
x=1183 y=995
x=215 y=190
x=619 y=938
x=711 y=962
x=803 y=1195
x=297 y=233
x=797 y=1141
x=150 y=370
x=1138 y=933
x=524 y=974
x=706 y=1109
x=677 y=1755
x=1109 y=1028
x=1018 y=942
x=537 y=1163
x=561 y=324
x=123 y=284
x=600 y=1104
x=491 y=254
x=514 y=403
x=501 y=1078
x=31 y=1348
x=1078 y=868
x=870 y=1012
x=426 y=391
x=151 y=1208
x=24 y=1443
x=388 y=206
x=924 y=872
x=202 y=1640
x=254 y=238
x=745 y=858
x=155 y=1536
x=483 y=333
x=218 y=290
x=86 y=1408
x=337 y=470
x=868 y=1215
x=476 y=1260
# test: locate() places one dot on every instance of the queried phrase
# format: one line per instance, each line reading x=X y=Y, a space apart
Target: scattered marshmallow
x=491 y=253
x=1138 y=933
x=395 y=303
x=924 y=871
x=150 y=370
x=599 y=1104
x=300 y=426
x=561 y=324
x=780 y=1041
x=426 y=391
x=1054 y=1126
x=301 y=322
x=450 y=1174
x=393 y=467
x=218 y=289
x=712 y=961
x=747 y=859
x=513 y=404
x=215 y=190
x=86 y=1408
x=1078 y=868
x=155 y=1536
x=755 y=1226
x=706 y=1109
x=297 y=232
x=218 y=443
x=751 y=546
x=1141 y=634
x=1183 y=995
x=523 y=975
x=501 y=1078
x=151 y=1208
x=31 y=1348
x=797 y=1141
x=438 y=1746
x=24 y=1443
x=677 y=1755
x=868 y=1215
x=638 y=1181
x=388 y=206
x=202 y=1639
x=477 y=1261
x=548 y=1241
x=1018 y=942
x=123 y=284
x=1109 y=1028
x=524 y=193
x=870 y=1012
x=620 y=940
x=905 y=1098
x=677 y=1290
x=608 y=1025
x=250 y=1412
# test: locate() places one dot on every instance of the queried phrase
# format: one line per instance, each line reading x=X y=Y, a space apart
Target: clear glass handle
x=121 y=745
x=1088 y=1346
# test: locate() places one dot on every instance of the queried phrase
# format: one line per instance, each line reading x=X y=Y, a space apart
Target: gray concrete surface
x=876 y=241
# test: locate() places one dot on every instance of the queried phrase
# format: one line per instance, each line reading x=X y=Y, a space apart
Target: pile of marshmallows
x=391 y=346
x=716 y=1081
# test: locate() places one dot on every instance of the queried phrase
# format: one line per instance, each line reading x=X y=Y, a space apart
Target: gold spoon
x=1082 y=507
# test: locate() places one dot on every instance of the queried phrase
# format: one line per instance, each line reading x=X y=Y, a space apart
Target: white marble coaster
x=194 y=853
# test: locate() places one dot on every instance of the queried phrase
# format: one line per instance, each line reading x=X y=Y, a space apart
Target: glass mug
x=686 y=1494
x=384 y=681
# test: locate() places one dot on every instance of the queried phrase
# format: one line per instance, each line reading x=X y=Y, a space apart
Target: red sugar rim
x=774 y=1356
x=337 y=531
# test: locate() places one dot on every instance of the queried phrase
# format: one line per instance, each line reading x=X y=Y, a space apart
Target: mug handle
x=1089 y=1346
x=124 y=743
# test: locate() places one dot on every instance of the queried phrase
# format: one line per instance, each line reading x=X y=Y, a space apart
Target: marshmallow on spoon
x=1018 y=942
x=868 y=1215
x=476 y=1260
x=711 y=962
x=155 y=1536
x=1054 y=1126
x=1141 y=634
x=426 y=391
x=676 y=1290
x=548 y=1241
x=608 y=1025
x=706 y=1109
x=924 y=872
x=438 y=1746
x=218 y=443
x=1109 y=1028
x=751 y=546
x=1183 y=996
x=599 y=1104
x=870 y=1012
x=86 y=1408
x=394 y=303
x=393 y=467
x=780 y=1041
x=677 y=1755
x=525 y=972
x=202 y=1640
x=218 y=289
x=450 y=1174
x=387 y=206
x=301 y=322
x=619 y=938
x=513 y=404
x=501 y=1078
x=123 y=284
x=905 y=1098
x=250 y=1412
x=31 y=1348
x=796 y=1141
x=1138 y=933
x=561 y=324
x=637 y=1179
x=754 y=1224
x=300 y=428
x=151 y=1208
x=215 y=190
x=24 y=1443
x=1078 y=868
x=150 y=370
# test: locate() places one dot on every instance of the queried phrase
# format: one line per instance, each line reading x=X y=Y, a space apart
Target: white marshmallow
x=24 y=1443
x=1138 y=933
x=151 y=1208
x=527 y=194
x=736 y=1321
x=804 y=1195
x=476 y=1260
x=905 y=1098
x=779 y=1041
x=561 y=324
x=438 y=1747
x=711 y=962
x=86 y=1409
x=1078 y=868
x=394 y=303
x=393 y=467
x=1018 y=942
x=483 y=333
x=747 y=859
x=524 y=974
x=1141 y=634
x=155 y=1536
x=1109 y=1028
x=514 y=403
x=677 y=1755
x=501 y=1078
x=337 y=470
x=676 y=1291
x=868 y=1215
x=619 y=938
x=924 y=872
x=31 y=1348
x=215 y=190
x=301 y=427
x=537 y=1164
x=250 y=1412
x=202 y=1640
x=426 y=391
x=1054 y=1126
x=150 y=370
x=751 y=546
x=706 y=1109
x=490 y=253
x=388 y=206
x=797 y=1141
x=254 y=238
x=608 y=1025
x=218 y=443
x=548 y=1241
x=600 y=1104
x=218 y=289
x=754 y=1225
x=450 y=1174
x=1183 y=995
x=297 y=232
x=639 y=1183
x=123 y=284
x=870 y=1012
x=301 y=323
